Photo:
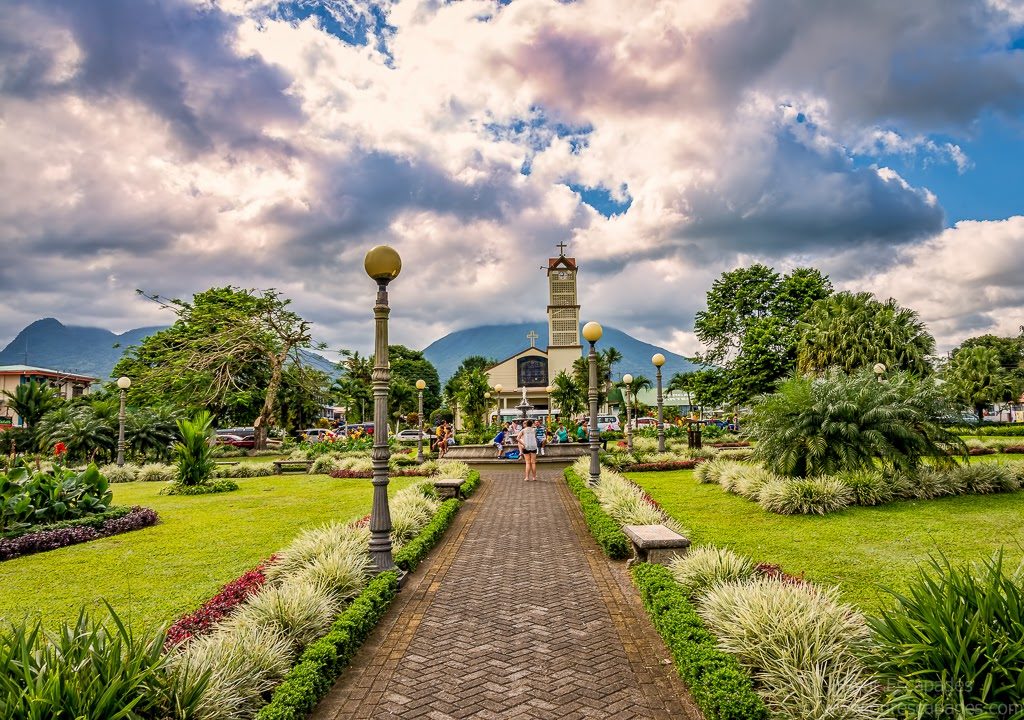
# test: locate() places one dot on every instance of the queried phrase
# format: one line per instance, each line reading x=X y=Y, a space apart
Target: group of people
x=528 y=440
x=444 y=437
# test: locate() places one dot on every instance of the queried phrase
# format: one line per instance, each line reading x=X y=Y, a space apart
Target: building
x=535 y=369
x=67 y=385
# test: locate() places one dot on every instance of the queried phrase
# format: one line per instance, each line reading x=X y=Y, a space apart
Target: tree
x=640 y=382
x=566 y=395
x=303 y=390
x=1009 y=349
x=151 y=432
x=31 y=401
x=581 y=378
x=748 y=327
x=610 y=356
x=226 y=351
x=976 y=378
x=453 y=388
x=408 y=366
x=682 y=382
x=850 y=331
x=822 y=425
x=471 y=397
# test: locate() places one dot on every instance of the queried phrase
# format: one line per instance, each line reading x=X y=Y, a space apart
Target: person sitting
x=499 y=439
x=562 y=435
x=581 y=432
x=542 y=437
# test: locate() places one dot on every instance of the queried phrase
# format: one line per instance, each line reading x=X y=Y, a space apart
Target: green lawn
x=860 y=549
x=156 y=574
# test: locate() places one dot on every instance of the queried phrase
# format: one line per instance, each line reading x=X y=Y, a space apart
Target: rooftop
x=32 y=370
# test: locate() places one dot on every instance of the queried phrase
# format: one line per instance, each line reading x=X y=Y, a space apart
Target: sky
x=175 y=145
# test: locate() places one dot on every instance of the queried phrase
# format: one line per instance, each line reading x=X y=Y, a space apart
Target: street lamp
x=497 y=389
x=879 y=369
x=487 y=412
x=420 y=384
x=627 y=380
x=549 y=389
x=123 y=383
x=382 y=264
x=592 y=332
x=658 y=359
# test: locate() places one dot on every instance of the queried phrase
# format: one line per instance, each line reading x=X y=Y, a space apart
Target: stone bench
x=655 y=543
x=226 y=462
x=302 y=465
x=449 y=488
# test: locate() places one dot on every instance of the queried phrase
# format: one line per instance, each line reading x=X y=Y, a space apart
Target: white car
x=606 y=423
x=409 y=435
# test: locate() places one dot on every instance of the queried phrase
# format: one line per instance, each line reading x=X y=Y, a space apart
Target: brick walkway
x=516 y=615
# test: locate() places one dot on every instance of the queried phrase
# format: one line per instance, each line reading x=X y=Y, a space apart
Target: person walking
x=528 y=449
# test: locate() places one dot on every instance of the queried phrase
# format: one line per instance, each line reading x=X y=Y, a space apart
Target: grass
x=859 y=549
x=156 y=574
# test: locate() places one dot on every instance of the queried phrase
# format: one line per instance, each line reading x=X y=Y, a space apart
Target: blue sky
x=174 y=145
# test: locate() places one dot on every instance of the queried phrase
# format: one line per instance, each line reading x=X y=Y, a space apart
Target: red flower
x=60 y=449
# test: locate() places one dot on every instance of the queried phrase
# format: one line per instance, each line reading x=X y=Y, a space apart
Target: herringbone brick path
x=517 y=615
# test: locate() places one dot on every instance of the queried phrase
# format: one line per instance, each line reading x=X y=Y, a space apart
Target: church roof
x=568 y=262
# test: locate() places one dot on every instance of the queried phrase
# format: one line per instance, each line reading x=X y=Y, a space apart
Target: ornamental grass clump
x=802 y=645
x=340 y=571
x=129 y=472
x=954 y=640
x=805 y=496
x=987 y=478
x=704 y=567
x=156 y=472
x=242 y=663
x=867 y=487
x=452 y=469
x=411 y=510
x=711 y=472
x=300 y=610
x=627 y=504
x=317 y=541
x=324 y=464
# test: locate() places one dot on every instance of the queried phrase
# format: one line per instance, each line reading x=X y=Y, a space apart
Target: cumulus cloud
x=179 y=144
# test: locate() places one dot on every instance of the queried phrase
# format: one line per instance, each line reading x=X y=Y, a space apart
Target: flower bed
x=218 y=607
x=661 y=466
x=340 y=473
x=78 y=531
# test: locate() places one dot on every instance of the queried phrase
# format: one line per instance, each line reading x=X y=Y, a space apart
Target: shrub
x=656 y=466
x=472 y=483
x=341 y=570
x=248 y=470
x=805 y=496
x=314 y=542
x=324 y=464
x=705 y=567
x=452 y=469
x=953 y=640
x=90 y=669
x=242 y=662
x=720 y=687
x=818 y=426
x=412 y=552
x=605 y=530
x=156 y=472
x=801 y=643
x=206 y=488
x=300 y=610
x=114 y=474
x=411 y=510
x=867 y=487
x=324 y=659
x=194 y=451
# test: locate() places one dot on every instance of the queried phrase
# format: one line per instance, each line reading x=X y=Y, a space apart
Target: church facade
x=532 y=368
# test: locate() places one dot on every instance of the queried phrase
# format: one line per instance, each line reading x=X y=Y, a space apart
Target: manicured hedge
x=472 y=483
x=604 y=529
x=721 y=688
x=416 y=549
x=322 y=661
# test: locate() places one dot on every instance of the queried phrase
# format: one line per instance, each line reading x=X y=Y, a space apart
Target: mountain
x=502 y=341
x=92 y=351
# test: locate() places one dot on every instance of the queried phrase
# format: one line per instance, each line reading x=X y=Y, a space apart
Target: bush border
x=416 y=549
x=719 y=685
x=605 y=530
x=94 y=521
x=136 y=518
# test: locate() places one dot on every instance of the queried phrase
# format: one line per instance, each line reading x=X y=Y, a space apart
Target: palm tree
x=851 y=331
x=471 y=396
x=85 y=433
x=681 y=382
x=566 y=396
x=402 y=399
x=610 y=356
x=31 y=401
x=640 y=382
x=151 y=432
x=975 y=377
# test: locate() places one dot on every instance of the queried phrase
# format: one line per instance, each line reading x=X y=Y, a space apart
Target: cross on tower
x=561 y=248
x=532 y=337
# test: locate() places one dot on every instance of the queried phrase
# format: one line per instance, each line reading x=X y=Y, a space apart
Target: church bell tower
x=563 y=314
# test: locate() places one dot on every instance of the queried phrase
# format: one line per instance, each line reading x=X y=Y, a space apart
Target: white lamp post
x=549 y=389
x=123 y=383
x=592 y=332
x=497 y=399
x=627 y=380
x=420 y=384
x=658 y=359
x=382 y=264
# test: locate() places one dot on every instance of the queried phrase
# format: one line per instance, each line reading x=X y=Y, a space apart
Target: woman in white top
x=528 y=449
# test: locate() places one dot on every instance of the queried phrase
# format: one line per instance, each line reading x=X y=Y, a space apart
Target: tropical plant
x=819 y=495
x=704 y=567
x=152 y=432
x=954 y=640
x=566 y=395
x=89 y=669
x=850 y=331
x=976 y=378
x=471 y=397
x=194 y=452
x=820 y=426
x=86 y=430
x=31 y=401
x=32 y=497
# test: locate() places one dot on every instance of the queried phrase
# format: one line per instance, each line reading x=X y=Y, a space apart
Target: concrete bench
x=227 y=462
x=655 y=543
x=301 y=465
x=449 y=488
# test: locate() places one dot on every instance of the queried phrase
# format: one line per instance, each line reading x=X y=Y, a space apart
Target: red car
x=237 y=440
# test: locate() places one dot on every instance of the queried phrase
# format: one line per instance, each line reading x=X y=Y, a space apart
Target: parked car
x=316 y=434
x=644 y=422
x=235 y=440
x=606 y=423
x=411 y=435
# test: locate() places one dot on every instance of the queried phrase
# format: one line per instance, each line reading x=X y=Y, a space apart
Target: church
x=535 y=369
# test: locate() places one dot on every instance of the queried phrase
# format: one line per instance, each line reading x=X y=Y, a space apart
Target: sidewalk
x=516 y=615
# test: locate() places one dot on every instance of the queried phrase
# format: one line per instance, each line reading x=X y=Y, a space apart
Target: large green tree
x=748 y=329
x=408 y=366
x=566 y=396
x=227 y=352
x=1010 y=351
x=452 y=392
x=976 y=378
x=850 y=331
x=32 y=400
